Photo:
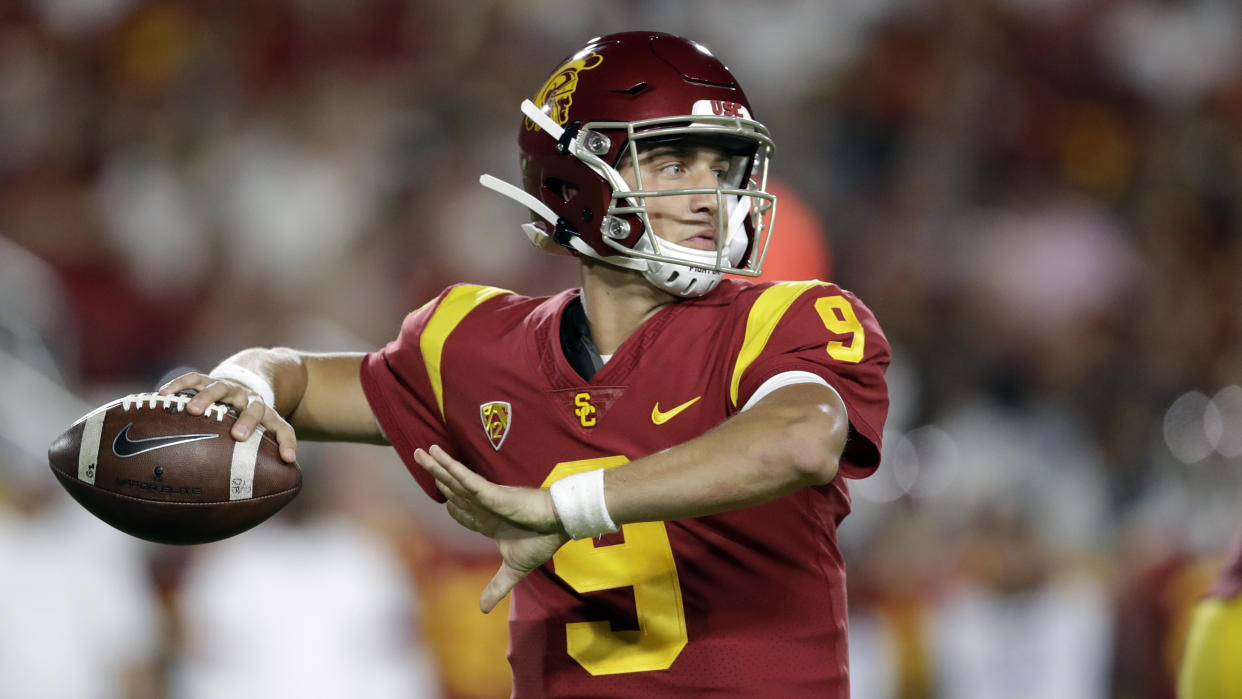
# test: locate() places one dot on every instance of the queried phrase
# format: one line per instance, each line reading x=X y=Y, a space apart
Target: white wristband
x=252 y=380
x=579 y=503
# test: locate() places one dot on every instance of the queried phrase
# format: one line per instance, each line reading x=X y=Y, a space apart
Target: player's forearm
x=791 y=440
x=334 y=406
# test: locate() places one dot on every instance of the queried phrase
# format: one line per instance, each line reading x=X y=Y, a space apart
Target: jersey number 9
x=644 y=562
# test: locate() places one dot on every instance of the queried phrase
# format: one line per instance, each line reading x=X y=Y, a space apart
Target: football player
x=1210 y=667
x=661 y=455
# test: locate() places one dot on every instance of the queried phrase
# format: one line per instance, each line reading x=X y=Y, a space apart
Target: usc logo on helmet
x=557 y=94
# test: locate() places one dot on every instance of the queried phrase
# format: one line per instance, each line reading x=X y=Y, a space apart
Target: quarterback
x=661 y=455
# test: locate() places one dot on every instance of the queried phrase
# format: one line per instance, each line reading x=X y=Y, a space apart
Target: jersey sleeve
x=820 y=328
x=399 y=389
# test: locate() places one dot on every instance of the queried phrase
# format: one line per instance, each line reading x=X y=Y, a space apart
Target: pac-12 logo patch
x=497 y=416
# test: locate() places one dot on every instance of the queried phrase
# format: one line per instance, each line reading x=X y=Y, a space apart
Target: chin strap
x=544 y=121
x=540 y=239
x=521 y=196
x=537 y=236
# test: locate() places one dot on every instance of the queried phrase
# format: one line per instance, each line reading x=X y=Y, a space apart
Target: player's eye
x=672 y=169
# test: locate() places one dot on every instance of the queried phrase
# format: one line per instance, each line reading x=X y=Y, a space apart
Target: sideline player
x=1210 y=664
x=669 y=445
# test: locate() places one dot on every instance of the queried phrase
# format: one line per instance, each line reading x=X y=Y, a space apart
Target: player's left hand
x=499 y=512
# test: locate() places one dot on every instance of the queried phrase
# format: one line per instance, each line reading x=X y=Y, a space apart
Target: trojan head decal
x=557 y=94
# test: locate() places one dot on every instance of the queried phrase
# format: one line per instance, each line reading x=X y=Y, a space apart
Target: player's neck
x=617 y=302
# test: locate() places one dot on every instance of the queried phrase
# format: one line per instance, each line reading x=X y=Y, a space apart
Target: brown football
x=147 y=467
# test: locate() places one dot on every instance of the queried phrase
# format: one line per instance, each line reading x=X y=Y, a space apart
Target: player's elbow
x=812 y=442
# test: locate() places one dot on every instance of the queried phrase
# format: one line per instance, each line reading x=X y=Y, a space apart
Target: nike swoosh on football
x=125 y=447
x=660 y=417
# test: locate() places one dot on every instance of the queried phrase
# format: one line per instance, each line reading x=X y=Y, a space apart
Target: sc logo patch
x=584 y=409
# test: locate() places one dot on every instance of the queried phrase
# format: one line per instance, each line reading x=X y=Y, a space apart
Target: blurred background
x=1038 y=198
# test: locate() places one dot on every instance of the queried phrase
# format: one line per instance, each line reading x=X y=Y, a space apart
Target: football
x=149 y=468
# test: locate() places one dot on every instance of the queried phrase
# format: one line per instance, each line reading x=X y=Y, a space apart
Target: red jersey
x=744 y=603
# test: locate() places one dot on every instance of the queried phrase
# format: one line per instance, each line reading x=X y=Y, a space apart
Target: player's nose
x=704 y=178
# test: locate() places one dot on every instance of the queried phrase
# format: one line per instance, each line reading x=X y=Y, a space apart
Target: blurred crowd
x=1040 y=200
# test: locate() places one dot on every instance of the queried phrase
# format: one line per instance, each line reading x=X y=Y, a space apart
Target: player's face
x=690 y=219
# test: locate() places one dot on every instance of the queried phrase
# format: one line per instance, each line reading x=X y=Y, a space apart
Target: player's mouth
x=703 y=240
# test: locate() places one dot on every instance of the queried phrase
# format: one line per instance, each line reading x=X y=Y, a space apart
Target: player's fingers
x=213 y=391
x=445 y=490
x=444 y=479
x=188 y=381
x=283 y=432
x=474 y=510
x=513 y=504
x=256 y=413
x=422 y=458
x=462 y=517
x=445 y=482
x=250 y=416
x=468 y=480
x=501 y=583
x=467 y=519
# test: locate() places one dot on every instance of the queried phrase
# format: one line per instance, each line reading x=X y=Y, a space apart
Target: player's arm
x=290 y=393
x=791 y=439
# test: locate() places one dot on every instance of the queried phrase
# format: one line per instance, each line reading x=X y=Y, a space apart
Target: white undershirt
x=783 y=379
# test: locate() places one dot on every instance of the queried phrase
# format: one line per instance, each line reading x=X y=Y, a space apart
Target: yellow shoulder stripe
x=453 y=308
x=768 y=310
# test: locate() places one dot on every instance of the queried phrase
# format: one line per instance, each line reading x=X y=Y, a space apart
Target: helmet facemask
x=744 y=211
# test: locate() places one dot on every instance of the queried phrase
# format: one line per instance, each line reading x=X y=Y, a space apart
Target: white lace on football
x=153 y=401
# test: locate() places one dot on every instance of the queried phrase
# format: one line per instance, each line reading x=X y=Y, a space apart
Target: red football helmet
x=607 y=100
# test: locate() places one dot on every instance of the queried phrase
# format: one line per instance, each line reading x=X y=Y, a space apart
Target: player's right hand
x=523 y=526
x=528 y=508
x=251 y=408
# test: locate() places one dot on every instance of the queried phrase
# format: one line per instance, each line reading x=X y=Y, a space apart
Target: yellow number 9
x=644 y=562
x=839 y=317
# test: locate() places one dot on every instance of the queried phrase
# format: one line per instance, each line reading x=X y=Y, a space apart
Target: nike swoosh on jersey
x=125 y=447
x=660 y=417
